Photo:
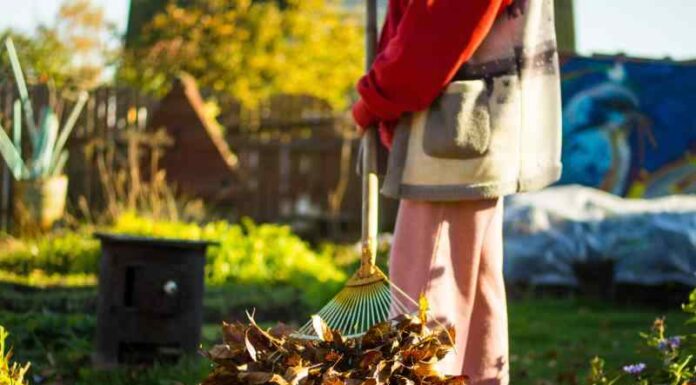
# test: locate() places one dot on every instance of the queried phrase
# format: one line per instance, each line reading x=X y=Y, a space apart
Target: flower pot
x=39 y=203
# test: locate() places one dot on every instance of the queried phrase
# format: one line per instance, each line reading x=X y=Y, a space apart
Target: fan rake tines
x=361 y=304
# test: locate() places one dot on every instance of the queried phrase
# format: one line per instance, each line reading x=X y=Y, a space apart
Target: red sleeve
x=362 y=115
x=431 y=42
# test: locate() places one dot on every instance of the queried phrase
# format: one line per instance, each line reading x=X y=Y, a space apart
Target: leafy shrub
x=133 y=224
x=62 y=253
x=247 y=255
x=270 y=303
x=252 y=254
x=671 y=360
x=40 y=279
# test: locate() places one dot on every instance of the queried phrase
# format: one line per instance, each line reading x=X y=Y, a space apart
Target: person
x=465 y=96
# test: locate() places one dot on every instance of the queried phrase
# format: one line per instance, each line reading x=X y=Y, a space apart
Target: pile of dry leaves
x=402 y=351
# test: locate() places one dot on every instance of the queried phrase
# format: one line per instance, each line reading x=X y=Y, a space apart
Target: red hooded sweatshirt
x=422 y=44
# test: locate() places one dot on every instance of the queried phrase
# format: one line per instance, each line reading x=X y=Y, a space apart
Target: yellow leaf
x=423 y=307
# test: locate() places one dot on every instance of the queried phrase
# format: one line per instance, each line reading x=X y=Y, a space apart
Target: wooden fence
x=296 y=156
x=108 y=112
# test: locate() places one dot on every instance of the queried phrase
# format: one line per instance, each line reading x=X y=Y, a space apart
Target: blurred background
x=211 y=145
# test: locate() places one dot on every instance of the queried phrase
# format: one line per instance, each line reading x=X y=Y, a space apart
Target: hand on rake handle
x=361 y=130
x=363 y=117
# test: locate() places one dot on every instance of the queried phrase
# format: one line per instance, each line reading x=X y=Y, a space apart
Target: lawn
x=551 y=342
x=48 y=304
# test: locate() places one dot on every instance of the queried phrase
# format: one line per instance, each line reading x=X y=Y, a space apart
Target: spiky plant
x=48 y=154
x=10 y=373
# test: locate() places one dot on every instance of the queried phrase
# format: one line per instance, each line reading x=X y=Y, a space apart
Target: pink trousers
x=453 y=252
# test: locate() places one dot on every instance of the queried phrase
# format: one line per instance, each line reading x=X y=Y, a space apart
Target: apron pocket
x=458 y=123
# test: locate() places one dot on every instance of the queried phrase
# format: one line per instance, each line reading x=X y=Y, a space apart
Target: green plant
x=671 y=360
x=251 y=254
x=58 y=344
x=252 y=266
x=69 y=253
x=246 y=254
x=11 y=373
x=48 y=155
x=40 y=279
x=690 y=308
x=45 y=55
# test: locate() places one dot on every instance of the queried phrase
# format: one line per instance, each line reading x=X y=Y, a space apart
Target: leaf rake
x=369 y=297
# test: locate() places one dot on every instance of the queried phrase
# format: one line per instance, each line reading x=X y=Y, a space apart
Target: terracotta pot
x=38 y=204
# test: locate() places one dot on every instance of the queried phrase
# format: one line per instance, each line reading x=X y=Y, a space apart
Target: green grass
x=552 y=340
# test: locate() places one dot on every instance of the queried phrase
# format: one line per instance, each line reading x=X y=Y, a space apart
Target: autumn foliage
x=402 y=351
x=251 y=50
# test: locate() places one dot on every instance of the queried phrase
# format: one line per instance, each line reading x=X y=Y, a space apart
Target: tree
x=84 y=30
x=72 y=53
x=251 y=49
x=44 y=57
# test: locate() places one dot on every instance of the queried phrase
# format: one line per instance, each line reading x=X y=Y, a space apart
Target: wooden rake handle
x=370 y=182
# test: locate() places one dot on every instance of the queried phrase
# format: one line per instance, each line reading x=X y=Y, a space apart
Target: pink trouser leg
x=453 y=252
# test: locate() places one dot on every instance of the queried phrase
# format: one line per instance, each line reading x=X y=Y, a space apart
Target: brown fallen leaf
x=281 y=330
x=220 y=376
x=233 y=333
x=220 y=352
x=400 y=380
x=332 y=380
x=425 y=370
x=250 y=347
x=293 y=359
x=321 y=329
x=370 y=359
x=332 y=377
x=295 y=374
x=398 y=352
x=332 y=356
x=258 y=378
x=378 y=334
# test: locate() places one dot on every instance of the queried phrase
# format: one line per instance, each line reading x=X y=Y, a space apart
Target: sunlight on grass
x=552 y=340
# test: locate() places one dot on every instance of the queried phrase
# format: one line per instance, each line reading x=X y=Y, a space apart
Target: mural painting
x=629 y=125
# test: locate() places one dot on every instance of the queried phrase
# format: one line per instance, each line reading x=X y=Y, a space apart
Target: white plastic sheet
x=651 y=241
